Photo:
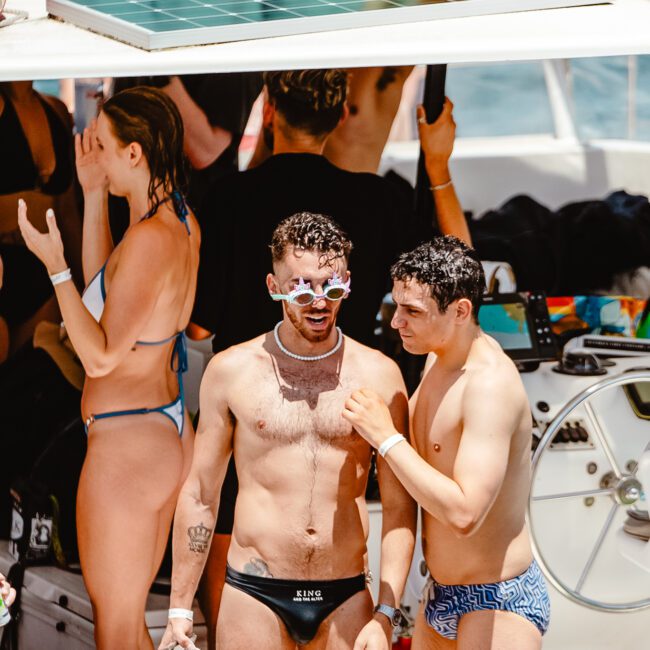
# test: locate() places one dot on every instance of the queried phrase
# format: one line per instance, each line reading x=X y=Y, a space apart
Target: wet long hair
x=149 y=117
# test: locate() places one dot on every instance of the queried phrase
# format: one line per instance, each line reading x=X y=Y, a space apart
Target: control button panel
x=572 y=435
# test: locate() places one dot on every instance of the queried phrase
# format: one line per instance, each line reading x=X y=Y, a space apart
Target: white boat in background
x=601 y=598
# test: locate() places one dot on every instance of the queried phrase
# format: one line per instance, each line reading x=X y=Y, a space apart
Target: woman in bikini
x=127 y=329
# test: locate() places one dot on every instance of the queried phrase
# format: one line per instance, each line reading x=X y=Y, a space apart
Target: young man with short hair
x=469 y=466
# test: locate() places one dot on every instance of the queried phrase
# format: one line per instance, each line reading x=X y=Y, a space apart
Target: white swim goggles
x=303 y=295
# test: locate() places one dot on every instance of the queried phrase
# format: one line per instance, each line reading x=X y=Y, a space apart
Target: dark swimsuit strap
x=179 y=351
x=180 y=208
x=179 y=362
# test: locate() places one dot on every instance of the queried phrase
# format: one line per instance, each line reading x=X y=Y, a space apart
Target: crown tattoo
x=199 y=538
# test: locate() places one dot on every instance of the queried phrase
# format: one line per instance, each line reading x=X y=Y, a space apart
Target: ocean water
x=511 y=98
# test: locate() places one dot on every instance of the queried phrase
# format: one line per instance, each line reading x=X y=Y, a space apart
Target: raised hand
x=89 y=171
x=437 y=141
x=48 y=246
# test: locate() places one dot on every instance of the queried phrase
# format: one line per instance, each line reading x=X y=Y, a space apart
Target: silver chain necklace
x=301 y=357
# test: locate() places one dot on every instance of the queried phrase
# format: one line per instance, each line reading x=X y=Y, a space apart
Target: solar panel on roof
x=155 y=24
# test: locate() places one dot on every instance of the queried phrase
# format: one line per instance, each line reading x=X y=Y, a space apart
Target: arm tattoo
x=257 y=567
x=199 y=538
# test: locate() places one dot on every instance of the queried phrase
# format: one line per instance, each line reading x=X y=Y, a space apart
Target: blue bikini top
x=94 y=296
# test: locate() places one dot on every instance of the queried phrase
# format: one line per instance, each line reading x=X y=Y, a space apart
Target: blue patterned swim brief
x=525 y=595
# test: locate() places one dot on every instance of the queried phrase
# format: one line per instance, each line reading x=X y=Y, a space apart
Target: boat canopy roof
x=43 y=48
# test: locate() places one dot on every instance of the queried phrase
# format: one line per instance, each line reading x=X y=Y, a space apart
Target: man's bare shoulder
x=236 y=359
x=379 y=369
x=494 y=378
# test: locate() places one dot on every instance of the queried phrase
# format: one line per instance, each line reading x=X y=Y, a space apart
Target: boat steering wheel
x=621 y=486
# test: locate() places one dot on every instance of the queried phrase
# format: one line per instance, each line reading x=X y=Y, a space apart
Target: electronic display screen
x=507 y=323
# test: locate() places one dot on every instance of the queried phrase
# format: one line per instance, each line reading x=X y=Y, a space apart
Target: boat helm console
x=611 y=346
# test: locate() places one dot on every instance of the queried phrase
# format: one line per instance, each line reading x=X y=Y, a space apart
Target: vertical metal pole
x=559 y=96
x=632 y=75
x=433 y=101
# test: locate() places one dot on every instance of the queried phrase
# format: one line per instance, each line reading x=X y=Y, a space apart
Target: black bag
x=37 y=403
x=43 y=528
x=44 y=444
x=44 y=503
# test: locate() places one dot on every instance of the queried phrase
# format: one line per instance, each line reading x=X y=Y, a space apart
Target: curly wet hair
x=449 y=266
x=149 y=117
x=312 y=232
x=311 y=100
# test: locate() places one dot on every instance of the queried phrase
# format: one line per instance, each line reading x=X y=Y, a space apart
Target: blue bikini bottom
x=175 y=411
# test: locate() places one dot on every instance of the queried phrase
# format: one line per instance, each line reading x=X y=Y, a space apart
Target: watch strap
x=393 y=614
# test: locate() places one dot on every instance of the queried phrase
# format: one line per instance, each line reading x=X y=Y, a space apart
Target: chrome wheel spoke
x=572 y=495
x=596 y=549
x=602 y=438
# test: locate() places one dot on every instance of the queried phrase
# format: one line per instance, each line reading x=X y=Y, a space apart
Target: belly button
x=310 y=531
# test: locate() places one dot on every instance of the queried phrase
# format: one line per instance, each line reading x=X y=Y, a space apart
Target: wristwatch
x=394 y=614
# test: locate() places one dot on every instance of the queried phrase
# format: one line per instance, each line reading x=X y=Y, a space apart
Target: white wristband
x=389 y=443
x=63 y=276
x=178 y=612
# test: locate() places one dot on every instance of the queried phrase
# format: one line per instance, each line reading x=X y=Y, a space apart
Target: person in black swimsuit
x=19 y=169
x=37 y=165
x=296 y=561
